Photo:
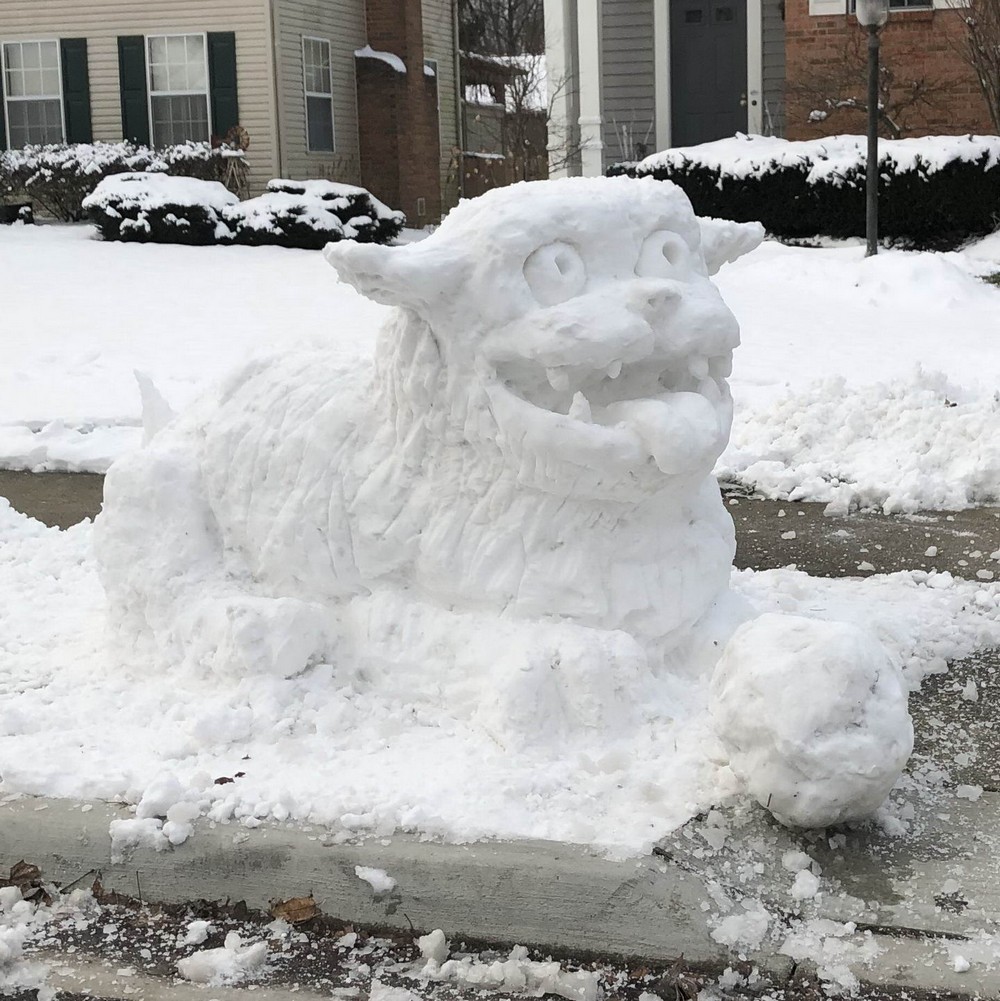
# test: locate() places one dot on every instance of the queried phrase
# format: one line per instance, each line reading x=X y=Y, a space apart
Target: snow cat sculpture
x=530 y=449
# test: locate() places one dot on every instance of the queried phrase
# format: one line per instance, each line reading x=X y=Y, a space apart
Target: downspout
x=273 y=42
x=459 y=93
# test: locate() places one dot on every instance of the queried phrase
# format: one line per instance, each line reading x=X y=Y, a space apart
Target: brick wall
x=916 y=45
x=399 y=134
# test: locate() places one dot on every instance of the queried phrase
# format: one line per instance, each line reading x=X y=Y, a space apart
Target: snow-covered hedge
x=60 y=177
x=935 y=192
x=158 y=208
x=310 y=214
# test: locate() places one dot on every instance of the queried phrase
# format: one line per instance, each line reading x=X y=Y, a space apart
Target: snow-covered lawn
x=866 y=382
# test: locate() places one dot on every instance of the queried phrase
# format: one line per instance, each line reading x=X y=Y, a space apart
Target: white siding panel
x=439 y=44
x=102 y=21
x=343 y=23
x=628 y=86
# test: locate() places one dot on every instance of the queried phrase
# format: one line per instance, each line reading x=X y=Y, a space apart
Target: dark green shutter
x=76 y=90
x=222 y=81
x=132 y=82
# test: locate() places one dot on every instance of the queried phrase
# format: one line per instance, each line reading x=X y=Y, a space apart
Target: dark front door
x=708 y=70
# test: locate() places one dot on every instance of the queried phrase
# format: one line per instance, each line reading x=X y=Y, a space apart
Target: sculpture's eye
x=555 y=273
x=663 y=255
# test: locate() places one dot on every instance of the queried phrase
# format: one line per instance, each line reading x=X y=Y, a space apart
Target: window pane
x=15 y=83
x=50 y=56
x=319 y=113
x=31 y=56
x=316 y=54
x=196 y=63
x=12 y=55
x=179 y=119
x=177 y=64
x=32 y=81
x=34 y=122
x=50 y=82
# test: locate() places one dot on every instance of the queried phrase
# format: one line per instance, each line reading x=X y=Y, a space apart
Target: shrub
x=934 y=193
x=158 y=208
x=310 y=214
x=60 y=177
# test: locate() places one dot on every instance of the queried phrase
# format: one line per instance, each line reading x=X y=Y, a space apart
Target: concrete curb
x=541 y=894
x=533 y=893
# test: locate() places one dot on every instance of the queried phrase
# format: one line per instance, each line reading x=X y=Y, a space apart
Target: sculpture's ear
x=723 y=241
x=414 y=276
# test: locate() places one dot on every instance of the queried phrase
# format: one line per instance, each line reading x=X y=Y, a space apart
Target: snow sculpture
x=517 y=489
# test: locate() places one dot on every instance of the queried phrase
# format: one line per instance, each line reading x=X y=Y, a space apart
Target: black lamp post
x=872 y=14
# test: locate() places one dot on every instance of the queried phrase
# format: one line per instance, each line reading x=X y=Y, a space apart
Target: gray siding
x=439 y=44
x=342 y=22
x=774 y=67
x=628 y=94
x=102 y=23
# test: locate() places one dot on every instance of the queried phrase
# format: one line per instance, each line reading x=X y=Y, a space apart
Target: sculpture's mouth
x=596 y=397
x=675 y=411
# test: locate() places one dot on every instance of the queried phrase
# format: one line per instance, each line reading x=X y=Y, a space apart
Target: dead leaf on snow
x=295 y=910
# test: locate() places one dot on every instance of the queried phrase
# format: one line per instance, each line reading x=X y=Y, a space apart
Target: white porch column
x=591 y=142
x=560 y=58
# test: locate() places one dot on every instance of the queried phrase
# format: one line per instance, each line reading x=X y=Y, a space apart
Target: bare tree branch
x=839 y=85
x=979 y=47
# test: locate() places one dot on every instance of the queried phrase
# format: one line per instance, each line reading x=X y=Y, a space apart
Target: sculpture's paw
x=555 y=681
x=814 y=717
x=246 y=635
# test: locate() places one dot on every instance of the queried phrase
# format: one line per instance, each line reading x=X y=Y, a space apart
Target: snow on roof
x=750 y=155
x=389 y=58
x=527 y=87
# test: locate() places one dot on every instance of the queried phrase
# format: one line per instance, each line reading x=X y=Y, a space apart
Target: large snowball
x=814 y=717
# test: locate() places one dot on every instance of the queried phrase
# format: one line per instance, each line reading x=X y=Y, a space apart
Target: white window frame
x=3 y=80
x=820 y=7
x=306 y=94
x=206 y=93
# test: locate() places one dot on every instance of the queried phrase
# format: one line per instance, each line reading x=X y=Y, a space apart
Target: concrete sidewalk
x=922 y=900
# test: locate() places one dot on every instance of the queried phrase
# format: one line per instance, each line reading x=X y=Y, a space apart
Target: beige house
x=293 y=73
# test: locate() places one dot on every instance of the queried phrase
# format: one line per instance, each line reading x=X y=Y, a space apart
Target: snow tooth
x=579 y=409
x=558 y=379
x=698 y=367
x=709 y=388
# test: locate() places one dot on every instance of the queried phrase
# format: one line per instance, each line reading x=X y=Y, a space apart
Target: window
x=902 y=4
x=319 y=94
x=431 y=70
x=178 y=89
x=33 y=91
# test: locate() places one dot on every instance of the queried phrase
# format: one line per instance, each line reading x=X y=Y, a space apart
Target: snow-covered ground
x=859 y=382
